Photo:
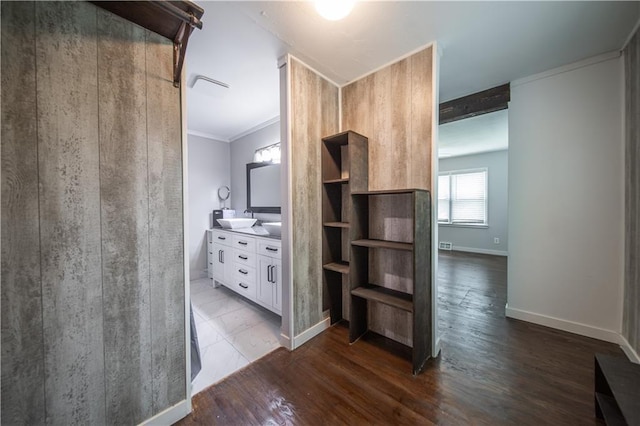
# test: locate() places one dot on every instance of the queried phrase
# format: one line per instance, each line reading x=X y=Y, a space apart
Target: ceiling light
x=334 y=10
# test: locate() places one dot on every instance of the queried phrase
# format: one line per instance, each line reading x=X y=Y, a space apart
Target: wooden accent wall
x=314 y=115
x=92 y=229
x=631 y=312
x=393 y=107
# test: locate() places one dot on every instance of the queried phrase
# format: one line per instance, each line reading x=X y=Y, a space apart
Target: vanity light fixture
x=334 y=10
x=267 y=154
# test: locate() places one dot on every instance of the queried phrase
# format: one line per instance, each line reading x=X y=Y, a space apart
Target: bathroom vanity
x=247 y=261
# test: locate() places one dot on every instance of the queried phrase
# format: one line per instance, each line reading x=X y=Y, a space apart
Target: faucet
x=249 y=211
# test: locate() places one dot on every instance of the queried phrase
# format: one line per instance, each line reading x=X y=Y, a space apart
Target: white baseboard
x=310 y=333
x=564 y=325
x=170 y=416
x=480 y=251
x=575 y=328
x=285 y=342
x=436 y=350
x=628 y=350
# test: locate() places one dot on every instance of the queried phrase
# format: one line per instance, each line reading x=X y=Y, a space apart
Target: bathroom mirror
x=263 y=187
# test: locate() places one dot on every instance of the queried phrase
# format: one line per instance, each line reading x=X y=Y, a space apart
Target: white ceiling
x=483 y=133
x=483 y=44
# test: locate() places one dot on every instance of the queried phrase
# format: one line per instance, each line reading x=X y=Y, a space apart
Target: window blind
x=462 y=197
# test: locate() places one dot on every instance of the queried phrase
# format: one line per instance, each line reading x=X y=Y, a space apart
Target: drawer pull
x=244 y=243
x=272 y=249
x=243 y=272
x=243 y=257
x=243 y=286
x=222 y=238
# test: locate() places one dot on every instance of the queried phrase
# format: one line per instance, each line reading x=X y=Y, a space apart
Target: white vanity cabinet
x=220 y=256
x=270 y=275
x=247 y=264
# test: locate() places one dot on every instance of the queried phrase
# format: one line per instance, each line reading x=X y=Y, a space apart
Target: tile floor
x=232 y=331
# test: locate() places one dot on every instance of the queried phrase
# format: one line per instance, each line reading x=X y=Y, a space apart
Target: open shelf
x=617 y=390
x=340 y=181
x=384 y=295
x=383 y=244
x=398 y=222
x=609 y=409
x=344 y=158
x=337 y=224
x=340 y=267
x=389 y=192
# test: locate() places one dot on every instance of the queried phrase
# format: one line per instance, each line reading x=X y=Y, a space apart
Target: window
x=462 y=197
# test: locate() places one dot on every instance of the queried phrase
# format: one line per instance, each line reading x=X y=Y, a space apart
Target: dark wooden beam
x=484 y=102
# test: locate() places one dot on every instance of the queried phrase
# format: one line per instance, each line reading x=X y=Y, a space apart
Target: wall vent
x=445 y=245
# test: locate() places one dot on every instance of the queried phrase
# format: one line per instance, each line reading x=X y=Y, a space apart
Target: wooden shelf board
x=340 y=180
x=337 y=224
x=623 y=379
x=341 y=267
x=340 y=138
x=383 y=244
x=384 y=295
x=389 y=192
x=610 y=411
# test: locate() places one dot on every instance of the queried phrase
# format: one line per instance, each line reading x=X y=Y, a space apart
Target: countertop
x=258 y=231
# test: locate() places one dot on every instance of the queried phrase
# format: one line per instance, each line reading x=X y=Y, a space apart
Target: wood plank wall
x=393 y=108
x=22 y=342
x=631 y=312
x=92 y=263
x=314 y=115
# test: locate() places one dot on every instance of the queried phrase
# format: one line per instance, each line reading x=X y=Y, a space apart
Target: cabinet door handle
x=273 y=249
x=222 y=238
x=243 y=243
x=243 y=257
x=243 y=286
x=220 y=256
x=270 y=273
x=273 y=274
x=243 y=272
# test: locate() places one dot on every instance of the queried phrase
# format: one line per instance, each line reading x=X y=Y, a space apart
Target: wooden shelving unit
x=394 y=227
x=344 y=169
x=617 y=390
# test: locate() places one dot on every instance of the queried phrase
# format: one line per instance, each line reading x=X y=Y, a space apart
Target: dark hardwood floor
x=492 y=370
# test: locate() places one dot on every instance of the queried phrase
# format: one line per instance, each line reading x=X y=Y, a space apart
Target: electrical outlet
x=496 y=240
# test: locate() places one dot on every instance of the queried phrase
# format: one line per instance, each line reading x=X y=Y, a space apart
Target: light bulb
x=334 y=10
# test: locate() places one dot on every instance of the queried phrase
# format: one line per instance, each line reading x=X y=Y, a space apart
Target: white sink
x=236 y=223
x=273 y=228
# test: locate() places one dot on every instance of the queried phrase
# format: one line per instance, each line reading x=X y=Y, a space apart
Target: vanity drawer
x=244 y=273
x=244 y=288
x=269 y=248
x=222 y=237
x=244 y=243
x=242 y=257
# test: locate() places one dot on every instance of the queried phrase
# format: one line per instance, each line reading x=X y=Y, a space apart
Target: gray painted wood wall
x=92 y=236
x=314 y=108
x=631 y=312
